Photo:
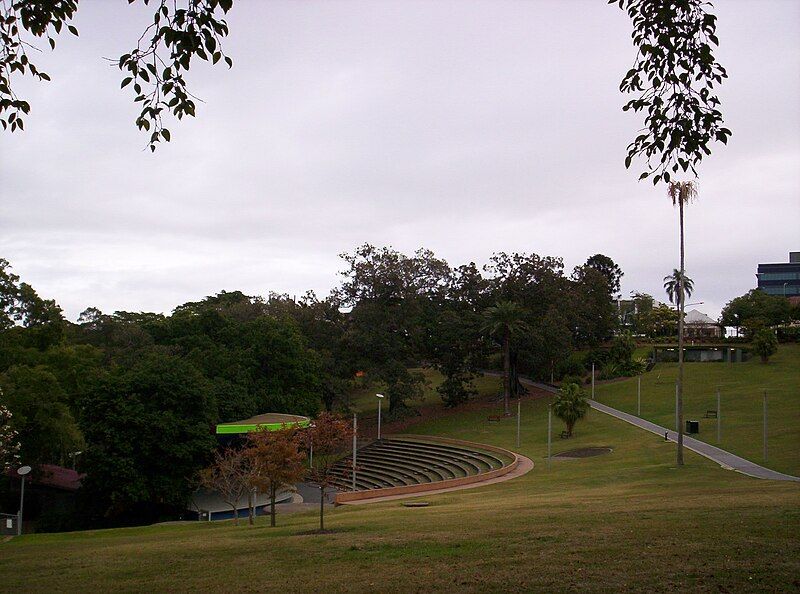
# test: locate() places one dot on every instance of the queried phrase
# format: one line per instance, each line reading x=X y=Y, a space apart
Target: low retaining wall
x=347 y=496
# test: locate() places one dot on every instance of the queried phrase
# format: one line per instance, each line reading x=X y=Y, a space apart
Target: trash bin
x=692 y=427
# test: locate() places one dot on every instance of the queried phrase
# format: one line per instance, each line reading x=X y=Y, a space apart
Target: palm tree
x=504 y=320
x=570 y=405
x=671 y=284
x=681 y=193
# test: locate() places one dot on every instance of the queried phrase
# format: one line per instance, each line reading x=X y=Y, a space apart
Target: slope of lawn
x=625 y=521
x=742 y=388
x=362 y=400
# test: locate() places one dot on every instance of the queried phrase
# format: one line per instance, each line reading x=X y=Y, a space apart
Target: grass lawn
x=362 y=400
x=741 y=388
x=626 y=521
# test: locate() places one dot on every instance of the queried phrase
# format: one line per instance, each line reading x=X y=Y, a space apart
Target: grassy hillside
x=626 y=521
x=741 y=387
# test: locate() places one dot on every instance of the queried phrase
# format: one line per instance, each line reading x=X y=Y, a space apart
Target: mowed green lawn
x=363 y=399
x=625 y=521
x=742 y=388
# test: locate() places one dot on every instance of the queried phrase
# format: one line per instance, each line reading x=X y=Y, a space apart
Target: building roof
x=270 y=421
x=697 y=317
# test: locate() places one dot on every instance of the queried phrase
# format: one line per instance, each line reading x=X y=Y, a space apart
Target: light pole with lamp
x=23 y=471
x=380 y=399
x=311 y=445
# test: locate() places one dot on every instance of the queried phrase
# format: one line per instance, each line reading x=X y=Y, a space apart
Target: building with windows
x=781 y=278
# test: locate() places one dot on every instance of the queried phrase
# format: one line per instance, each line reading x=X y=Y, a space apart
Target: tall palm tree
x=672 y=284
x=681 y=193
x=504 y=320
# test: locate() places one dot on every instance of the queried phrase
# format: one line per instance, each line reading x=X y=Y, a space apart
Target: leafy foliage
x=148 y=431
x=672 y=285
x=610 y=271
x=277 y=461
x=180 y=31
x=570 y=405
x=756 y=308
x=765 y=344
x=9 y=443
x=674 y=78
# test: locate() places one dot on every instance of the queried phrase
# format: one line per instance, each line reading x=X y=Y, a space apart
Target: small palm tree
x=672 y=284
x=681 y=194
x=505 y=320
x=570 y=405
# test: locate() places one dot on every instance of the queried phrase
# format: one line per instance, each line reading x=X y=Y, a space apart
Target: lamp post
x=380 y=399
x=22 y=472
x=311 y=445
x=355 y=447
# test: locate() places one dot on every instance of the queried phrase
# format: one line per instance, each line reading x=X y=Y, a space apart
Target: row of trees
x=273 y=460
x=134 y=396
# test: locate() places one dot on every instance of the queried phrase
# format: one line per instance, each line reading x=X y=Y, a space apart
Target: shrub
x=570 y=405
x=765 y=344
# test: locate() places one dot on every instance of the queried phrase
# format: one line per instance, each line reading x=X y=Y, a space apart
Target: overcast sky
x=464 y=127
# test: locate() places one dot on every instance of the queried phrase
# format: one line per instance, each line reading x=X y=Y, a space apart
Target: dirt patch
x=584 y=453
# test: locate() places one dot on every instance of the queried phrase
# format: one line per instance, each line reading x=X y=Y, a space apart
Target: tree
x=228 y=476
x=46 y=429
x=756 y=306
x=570 y=405
x=610 y=271
x=278 y=462
x=330 y=435
x=681 y=193
x=178 y=32
x=148 y=433
x=672 y=285
x=765 y=343
x=674 y=76
x=9 y=444
x=504 y=320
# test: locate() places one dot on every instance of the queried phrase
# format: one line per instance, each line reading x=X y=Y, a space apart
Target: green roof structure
x=270 y=421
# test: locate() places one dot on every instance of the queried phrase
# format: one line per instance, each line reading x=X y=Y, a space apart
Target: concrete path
x=722 y=457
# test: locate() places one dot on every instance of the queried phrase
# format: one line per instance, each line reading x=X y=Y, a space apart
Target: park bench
x=564 y=435
x=495 y=418
x=711 y=414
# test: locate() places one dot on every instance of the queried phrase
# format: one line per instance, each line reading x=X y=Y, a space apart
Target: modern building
x=781 y=278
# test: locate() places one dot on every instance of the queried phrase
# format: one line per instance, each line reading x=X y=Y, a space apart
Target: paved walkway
x=722 y=457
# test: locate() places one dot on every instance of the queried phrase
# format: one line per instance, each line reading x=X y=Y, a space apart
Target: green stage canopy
x=270 y=421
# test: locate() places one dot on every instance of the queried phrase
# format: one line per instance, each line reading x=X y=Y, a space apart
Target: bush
x=790 y=334
x=765 y=344
x=574 y=365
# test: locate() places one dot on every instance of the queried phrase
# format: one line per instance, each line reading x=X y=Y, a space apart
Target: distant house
x=699 y=326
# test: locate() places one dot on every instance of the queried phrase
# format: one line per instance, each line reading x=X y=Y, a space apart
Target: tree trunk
x=321 y=508
x=681 y=302
x=272 y=505
x=506 y=371
x=235 y=513
x=569 y=428
x=250 y=504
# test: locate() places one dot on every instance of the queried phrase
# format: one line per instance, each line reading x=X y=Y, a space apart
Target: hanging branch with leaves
x=674 y=75
x=181 y=30
x=164 y=54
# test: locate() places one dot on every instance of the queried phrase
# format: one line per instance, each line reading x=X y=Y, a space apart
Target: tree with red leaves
x=330 y=435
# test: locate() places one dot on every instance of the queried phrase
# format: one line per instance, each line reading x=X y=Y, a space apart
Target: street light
x=380 y=399
x=311 y=445
x=22 y=472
